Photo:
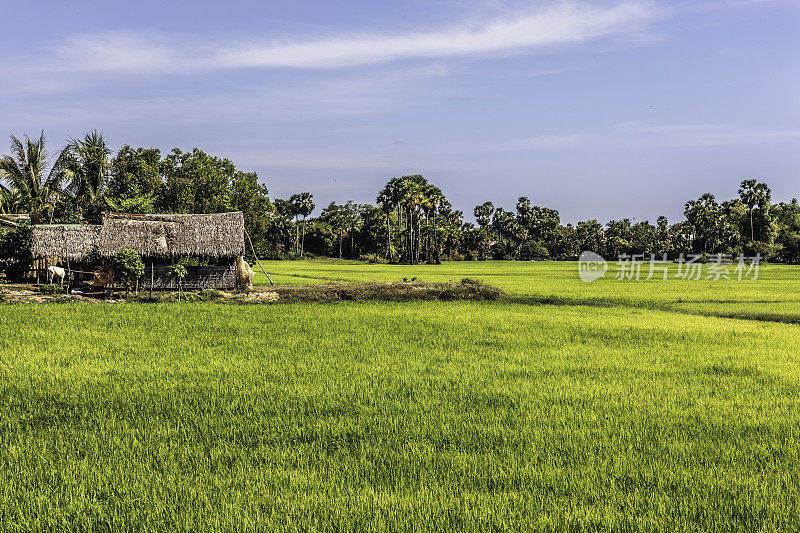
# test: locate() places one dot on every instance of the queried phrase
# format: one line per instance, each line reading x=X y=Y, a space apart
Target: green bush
x=178 y=270
x=209 y=295
x=533 y=250
x=50 y=289
x=373 y=259
x=15 y=251
x=128 y=268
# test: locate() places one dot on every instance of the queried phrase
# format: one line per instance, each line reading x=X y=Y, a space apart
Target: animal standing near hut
x=54 y=272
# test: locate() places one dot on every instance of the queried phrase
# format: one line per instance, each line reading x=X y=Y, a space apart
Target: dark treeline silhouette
x=410 y=222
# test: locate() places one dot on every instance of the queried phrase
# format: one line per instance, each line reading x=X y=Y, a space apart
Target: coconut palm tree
x=10 y=201
x=86 y=165
x=28 y=170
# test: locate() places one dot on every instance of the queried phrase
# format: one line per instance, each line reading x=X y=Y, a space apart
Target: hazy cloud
x=559 y=24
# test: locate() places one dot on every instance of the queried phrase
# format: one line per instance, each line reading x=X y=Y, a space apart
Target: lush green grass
x=776 y=292
x=610 y=409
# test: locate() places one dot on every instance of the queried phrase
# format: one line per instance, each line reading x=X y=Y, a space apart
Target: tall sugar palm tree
x=28 y=170
x=304 y=205
x=754 y=194
x=388 y=200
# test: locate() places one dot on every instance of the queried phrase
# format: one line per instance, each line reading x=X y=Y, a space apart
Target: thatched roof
x=73 y=241
x=219 y=235
x=213 y=235
x=12 y=220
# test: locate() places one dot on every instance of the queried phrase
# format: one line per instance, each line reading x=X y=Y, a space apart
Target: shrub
x=178 y=271
x=209 y=295
x=373 y=259
x=533 y=250
x=15 y=251
x=128 y=268
x=50 y=289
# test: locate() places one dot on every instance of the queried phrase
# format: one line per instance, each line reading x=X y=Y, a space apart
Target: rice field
x=614 y=405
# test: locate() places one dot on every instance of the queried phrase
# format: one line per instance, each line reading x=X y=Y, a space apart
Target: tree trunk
x=341 y=238
x=410 y=247
x=419 y=238
x=752 y=238
x=436 y=253
x=303 y=242
x=389 y=237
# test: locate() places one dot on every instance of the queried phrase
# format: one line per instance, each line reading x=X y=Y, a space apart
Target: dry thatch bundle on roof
x=217 y=235
x=69 y=241
x=13 y=220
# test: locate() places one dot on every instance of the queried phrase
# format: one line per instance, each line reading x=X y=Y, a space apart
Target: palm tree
x=754 y=194
x=86 y=164
x=747 y=192
x=28 y=171
x=389 y=199
x=303 y=205
x=294 y=210
x=10 y=201
x=412 y=198
x=437 y=202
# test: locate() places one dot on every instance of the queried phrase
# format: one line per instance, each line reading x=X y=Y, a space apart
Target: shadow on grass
x=673 y=307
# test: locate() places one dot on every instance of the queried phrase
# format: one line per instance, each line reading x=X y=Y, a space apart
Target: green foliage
x=30 y=171
x=50 y=289
x=412 y=221
x=373 y=259
x=85 y=164
x=533 y=250
x=177 y=271
x=209 y=295
x=195 y=182
x=15 y=251
x=128 y=268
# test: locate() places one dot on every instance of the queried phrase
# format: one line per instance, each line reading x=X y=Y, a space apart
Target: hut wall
x=202 y=277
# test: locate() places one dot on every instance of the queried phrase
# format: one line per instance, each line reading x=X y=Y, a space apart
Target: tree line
x=411 y=220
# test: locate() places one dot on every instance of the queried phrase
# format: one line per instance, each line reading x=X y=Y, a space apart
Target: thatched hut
x=215 y=240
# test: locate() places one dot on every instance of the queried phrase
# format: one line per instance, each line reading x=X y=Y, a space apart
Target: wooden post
x=256 y=256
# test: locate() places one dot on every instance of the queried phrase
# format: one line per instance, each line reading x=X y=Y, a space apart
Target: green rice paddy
x=613 y=405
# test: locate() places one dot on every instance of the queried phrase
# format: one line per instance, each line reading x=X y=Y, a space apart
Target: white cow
x=55 y=272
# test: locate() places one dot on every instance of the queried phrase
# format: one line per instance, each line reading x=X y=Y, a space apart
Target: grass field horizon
x=658 y=405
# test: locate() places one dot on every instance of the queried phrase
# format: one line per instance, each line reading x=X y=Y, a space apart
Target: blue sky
x=599 y=109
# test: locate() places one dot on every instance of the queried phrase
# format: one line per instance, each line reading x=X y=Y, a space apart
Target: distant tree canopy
x=411 y=222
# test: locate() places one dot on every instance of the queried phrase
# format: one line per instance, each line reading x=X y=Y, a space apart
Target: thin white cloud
x=700 y=135
x=562 y=23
